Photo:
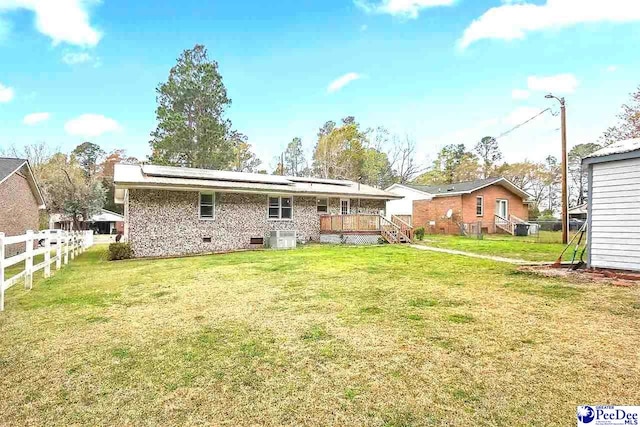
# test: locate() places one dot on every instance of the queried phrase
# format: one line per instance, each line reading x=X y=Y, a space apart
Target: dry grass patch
x=377 y=336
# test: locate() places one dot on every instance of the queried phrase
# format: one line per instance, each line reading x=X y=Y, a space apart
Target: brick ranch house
x=493 y=205
x=173 y=211
x=20 y=200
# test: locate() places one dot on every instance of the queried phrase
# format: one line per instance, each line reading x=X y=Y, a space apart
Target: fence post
x=1 y=271
x=47 y=254
x=58 y=250
x=65 y=249
x=73 y=245
x=28 y=263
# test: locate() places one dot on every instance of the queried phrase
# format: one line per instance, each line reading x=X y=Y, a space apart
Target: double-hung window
x=280 y=207
x=322 y=205
x=479 y=206
x=207 y=205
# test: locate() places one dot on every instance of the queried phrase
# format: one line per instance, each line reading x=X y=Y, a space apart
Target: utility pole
x=565 y=192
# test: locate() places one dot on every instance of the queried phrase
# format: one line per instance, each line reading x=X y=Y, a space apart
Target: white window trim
x=481 y=206
x=213 y=199
x=348 y=206
x=279 y=197
x=506 y=203
x=326 y=205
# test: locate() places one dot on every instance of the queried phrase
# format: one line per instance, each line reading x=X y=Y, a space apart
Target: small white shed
x=614 y=206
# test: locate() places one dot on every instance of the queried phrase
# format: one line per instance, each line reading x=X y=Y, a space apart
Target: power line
x=503 y=134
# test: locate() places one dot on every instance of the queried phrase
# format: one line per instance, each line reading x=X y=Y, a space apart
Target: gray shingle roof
x=8 y=165
x=458 y=187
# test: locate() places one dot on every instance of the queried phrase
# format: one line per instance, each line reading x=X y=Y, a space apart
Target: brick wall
x=18 y=211
x=425 y=211
x=491 y=194
x=464 y=210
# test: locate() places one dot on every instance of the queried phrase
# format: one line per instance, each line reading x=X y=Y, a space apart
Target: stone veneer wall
x=167 y=223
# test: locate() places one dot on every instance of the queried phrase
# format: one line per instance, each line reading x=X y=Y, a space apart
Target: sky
x=437 y=71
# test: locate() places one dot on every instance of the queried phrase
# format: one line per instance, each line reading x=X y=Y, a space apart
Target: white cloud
x=6 y=93
x=612 y=68
x=513 y=20
x=73 y=58
x=91 y=125
x=35 y=118
x=561 y=83
x=64 y=21
x=342 y=81
x=405 y=8
x=520 y=94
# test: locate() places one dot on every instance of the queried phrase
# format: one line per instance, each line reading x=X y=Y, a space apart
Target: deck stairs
x=395 y=231
x=508 y=225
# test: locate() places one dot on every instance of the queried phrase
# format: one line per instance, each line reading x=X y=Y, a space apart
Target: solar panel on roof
x=318 y=180
x=210 y=174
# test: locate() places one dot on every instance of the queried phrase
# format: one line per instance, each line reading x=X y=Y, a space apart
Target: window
x=207 y=202
x=280 y=208
x=479 y=206
x=345 y=205
x=322 y=205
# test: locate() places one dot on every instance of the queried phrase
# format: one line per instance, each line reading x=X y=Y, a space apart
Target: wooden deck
x=394 y=231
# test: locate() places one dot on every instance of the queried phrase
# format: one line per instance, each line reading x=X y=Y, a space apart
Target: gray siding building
x=614 y=206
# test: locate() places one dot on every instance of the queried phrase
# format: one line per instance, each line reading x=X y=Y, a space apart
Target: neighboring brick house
x=172 y=211
x=492 y=205
x=20 y=200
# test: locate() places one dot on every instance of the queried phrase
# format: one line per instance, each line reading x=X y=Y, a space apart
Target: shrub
x=419 y=233
x=120 y=251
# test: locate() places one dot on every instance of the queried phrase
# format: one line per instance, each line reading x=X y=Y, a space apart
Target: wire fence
x=531 y=231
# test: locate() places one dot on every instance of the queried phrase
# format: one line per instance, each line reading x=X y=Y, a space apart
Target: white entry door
x=502 y=208
x=345 y=206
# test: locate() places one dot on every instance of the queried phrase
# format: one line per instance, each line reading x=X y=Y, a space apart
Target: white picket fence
x=66 y=244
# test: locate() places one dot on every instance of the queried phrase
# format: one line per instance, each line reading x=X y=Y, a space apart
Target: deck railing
x=350 y=223
x=395 y=231
x=404 y=227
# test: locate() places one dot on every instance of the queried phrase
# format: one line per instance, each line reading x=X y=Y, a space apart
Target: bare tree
x=403 y=160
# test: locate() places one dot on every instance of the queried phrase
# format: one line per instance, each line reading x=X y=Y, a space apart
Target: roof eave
x=191 y=187
x=611 y=157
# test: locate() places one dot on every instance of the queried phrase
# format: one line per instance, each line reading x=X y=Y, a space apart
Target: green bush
x=419 y=233
x=120 y=251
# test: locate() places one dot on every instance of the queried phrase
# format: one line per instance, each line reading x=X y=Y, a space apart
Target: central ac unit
x=282 y=239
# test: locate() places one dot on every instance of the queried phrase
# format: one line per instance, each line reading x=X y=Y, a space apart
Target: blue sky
x=440 y=71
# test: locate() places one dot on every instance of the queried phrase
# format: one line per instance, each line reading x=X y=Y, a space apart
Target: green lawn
x=367 y=336
x=502 y=246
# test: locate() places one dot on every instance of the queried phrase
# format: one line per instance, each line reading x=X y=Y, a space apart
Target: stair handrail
x=398 y=229
x=516 y=219
x=505 y=224
x=407 y=226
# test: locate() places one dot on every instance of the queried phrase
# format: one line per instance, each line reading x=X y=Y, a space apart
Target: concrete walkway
x=514 y=261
